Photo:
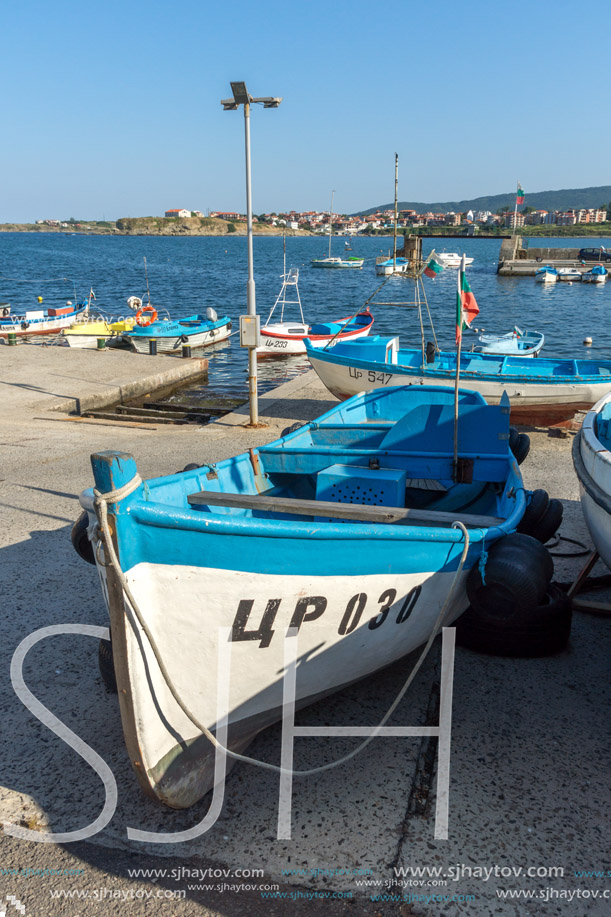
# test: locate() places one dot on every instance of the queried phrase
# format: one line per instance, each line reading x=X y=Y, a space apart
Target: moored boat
x=546 y=275
x=392 y=266
x=597 y=274
x=514 y=343
x=85 y=335
x=352 y=530
x=39 y=321
x=592 y=461
x=281 y=338
x=540 y=391
x=452 y=259
x=335 y=262
x=569 y=274
x=170 y=335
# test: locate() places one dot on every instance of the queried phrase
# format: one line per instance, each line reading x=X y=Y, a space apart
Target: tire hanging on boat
x=545 y=633
x=549 y=523
x=519 y=443
x=537 y=506
x=80 y=538
x=514 y=578
x=106 y=665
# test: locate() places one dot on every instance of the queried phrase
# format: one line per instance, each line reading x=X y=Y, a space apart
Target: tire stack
x=515 y=608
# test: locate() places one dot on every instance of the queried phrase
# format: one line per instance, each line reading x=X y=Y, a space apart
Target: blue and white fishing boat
x=546 y=275
x=170 y=335
x=597 y=274
x=39 y=321
x=592 y=460
x=346 y=530
x=540 y=391
x=516 y=343
x=392 y=266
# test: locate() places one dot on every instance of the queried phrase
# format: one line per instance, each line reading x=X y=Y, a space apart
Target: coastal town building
x=178 y=213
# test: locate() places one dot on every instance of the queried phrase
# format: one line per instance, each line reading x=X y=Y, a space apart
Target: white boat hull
x=284 y=344
x=173 y=344
x=593 y=278
x=385 y=270
x=337 y=263
x=37 y=326
x=597 y=466
x=546 y=277
x=335 y=648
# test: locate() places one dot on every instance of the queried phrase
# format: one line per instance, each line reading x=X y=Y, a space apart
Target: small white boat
x=389 y=266
x=592 y=461
x=546 y=275
x=569 y=274
x=352 y=261
x=516 y=343
x=598 y=274
x=282 y=338
x=338 y=262
x=451 y=259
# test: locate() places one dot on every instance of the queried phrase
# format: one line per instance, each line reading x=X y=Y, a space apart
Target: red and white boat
x=284 y=337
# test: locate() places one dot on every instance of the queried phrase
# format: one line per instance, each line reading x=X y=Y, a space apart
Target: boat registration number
x=309 y=608
x=372 y=376
x=277 y=344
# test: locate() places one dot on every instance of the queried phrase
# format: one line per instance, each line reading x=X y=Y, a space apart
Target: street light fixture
x=249 y=324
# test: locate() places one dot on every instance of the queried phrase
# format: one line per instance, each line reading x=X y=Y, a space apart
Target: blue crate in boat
x=368 y=486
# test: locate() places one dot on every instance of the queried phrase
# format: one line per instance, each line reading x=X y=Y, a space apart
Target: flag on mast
x=519 y=195
x=466 y=305
x=433 y=268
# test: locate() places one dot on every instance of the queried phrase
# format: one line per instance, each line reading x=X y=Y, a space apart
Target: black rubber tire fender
x=550 y=522
x=106 y=665
x=534 y=512
x=520 y=446
x=517 y=573
x=546 y=634
x=292 y=428
x=80 y=539
x=191 y=466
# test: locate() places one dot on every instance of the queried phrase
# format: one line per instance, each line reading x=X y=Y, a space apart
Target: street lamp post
x=249 y=324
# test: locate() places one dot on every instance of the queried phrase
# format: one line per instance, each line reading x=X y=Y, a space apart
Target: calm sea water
x=187 y=275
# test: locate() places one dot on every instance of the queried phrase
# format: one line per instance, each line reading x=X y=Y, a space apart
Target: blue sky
x=112 y=109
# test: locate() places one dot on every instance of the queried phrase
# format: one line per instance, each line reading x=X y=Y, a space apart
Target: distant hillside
x=567 y=199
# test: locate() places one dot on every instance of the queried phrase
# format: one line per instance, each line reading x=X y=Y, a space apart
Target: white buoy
x=587 y=341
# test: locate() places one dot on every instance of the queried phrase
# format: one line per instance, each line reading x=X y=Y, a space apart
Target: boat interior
x=384 y=459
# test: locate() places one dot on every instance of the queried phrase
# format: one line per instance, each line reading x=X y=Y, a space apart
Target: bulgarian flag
x=466 y=306
x=519 y=195
x=433 y=268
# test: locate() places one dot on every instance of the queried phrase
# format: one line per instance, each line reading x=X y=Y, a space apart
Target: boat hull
x=593 y=468
x=531 y=402
x=50 y=325
x=176 y=761
x=173 y=343
x=337 y=264
x=275 y=341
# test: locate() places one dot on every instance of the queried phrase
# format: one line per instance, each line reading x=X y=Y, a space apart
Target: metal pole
x=250 y=286
x=394 y=235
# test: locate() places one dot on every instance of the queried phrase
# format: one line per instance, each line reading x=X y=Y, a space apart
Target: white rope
x=115 y=496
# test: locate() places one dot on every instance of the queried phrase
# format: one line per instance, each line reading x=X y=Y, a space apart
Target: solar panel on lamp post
x=249 y=326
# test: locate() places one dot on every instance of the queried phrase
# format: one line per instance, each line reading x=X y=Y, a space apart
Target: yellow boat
x=87 y=334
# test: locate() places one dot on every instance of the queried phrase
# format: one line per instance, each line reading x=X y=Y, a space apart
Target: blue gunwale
x=187 y=326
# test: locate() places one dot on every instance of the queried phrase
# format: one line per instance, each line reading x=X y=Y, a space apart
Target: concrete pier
x=517 y=260
x=529 y=784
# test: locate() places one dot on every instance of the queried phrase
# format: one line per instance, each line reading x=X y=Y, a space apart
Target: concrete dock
x=529 y=778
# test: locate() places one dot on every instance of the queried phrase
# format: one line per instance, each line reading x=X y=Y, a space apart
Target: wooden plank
x=173 y=416
x=350 y=511
x=130 y=418
x=592 y=607
x=101 y=423
x=190 y=408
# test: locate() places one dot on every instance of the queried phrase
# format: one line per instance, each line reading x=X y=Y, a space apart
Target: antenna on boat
x=459 y=323
x=146 y=274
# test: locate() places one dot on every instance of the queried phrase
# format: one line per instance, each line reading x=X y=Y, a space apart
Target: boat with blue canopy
x=540 y=391
x=358 y=531
x=546 y=274
x=170 y=335
x=597 y=274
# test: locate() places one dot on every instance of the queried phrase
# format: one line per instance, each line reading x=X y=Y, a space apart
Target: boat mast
x=331 y=223
x=394 y=235
x=461 y=273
